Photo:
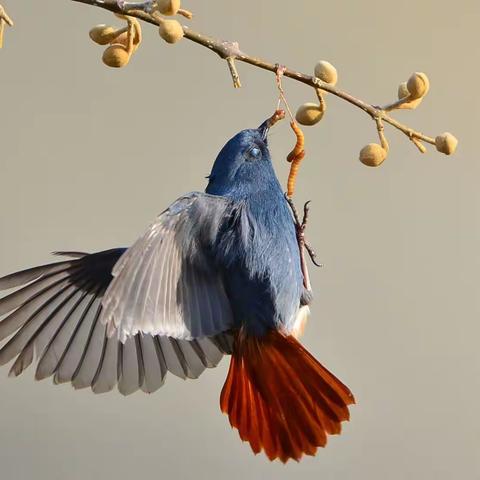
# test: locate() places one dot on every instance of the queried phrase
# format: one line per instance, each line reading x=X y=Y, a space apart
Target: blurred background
x=89 y=155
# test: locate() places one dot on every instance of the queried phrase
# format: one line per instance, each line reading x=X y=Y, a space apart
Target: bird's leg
x=146 y=6
x=303 y=245
x=308 y=248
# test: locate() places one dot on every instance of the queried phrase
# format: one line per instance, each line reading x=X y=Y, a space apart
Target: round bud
x=418 y=85
x=326 y=72
x=171 y=31
x=309 y=114
x=168 y=7
x=116 y=56
x=446 y=143
x=102 y=34
x=403 y=90
x=372 y=155
x=403 y=93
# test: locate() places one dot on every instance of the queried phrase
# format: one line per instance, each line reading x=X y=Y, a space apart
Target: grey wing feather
x=166 y=284
x=54 y=317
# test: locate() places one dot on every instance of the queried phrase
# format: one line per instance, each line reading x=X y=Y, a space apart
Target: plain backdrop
x=89 y=155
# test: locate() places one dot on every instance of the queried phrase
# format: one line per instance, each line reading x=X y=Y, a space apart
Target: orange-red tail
x=280 y=398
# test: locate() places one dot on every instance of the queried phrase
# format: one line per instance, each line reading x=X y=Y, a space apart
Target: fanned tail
x=280 y=398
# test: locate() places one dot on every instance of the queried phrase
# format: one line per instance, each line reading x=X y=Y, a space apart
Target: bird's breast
x=263 y=275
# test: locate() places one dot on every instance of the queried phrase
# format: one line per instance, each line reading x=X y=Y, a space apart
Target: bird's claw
x=312 y=255
x=300 y=227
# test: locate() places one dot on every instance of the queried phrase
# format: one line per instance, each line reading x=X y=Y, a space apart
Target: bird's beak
x=263 y=129
x=270 y=122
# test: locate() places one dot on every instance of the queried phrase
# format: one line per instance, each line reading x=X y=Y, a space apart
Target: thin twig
x=381 y=134
x=4 y=16
x=234 y=72
x=397 y=104
x=321 y=100
x=185 y=13
x=226 y=51
x=4 y=20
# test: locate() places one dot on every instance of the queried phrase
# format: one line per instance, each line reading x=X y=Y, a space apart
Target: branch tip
x=234 y=72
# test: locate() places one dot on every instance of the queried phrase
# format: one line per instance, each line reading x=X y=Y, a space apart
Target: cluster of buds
x=122 y=42
x=311 y=113
x=410 y=95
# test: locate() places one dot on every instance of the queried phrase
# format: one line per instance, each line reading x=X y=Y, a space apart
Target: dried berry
x=309 y=114
x=116 y=56
x=418 y=85
x=446 y=143
x=171 y=31
x=104 y=34
x=372 y=155
x=326 y=72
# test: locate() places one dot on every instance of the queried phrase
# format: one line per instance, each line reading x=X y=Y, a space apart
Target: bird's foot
x=300 y=227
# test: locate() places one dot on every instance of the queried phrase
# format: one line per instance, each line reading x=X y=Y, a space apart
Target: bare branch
x=230 y=51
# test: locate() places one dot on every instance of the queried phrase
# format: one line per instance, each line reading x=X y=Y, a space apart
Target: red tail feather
x=280 y=398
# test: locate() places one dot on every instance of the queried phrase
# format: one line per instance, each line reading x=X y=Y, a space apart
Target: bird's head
x=243 y=166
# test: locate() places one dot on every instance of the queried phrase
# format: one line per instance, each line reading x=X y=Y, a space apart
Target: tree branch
x=4 y=20
x=231 y=52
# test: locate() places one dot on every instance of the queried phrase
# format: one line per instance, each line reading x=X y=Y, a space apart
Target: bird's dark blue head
x=243 y=166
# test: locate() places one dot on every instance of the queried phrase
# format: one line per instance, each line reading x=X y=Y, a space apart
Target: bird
x=218 y=273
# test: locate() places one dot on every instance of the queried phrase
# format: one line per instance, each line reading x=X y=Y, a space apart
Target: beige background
x=90 y=155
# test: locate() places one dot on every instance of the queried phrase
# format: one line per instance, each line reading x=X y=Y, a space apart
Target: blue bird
x=216 y=273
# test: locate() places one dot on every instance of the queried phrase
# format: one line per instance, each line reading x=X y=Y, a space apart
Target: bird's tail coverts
x=280 y=398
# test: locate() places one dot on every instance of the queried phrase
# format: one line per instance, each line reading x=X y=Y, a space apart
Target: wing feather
x=165 y=291
x=26 y=276
x=167 y=283
x=153 y=364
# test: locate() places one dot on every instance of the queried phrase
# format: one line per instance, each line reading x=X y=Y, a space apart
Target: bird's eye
x=254 y=153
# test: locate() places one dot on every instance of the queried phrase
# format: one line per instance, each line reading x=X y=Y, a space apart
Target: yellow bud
x=326 y=72
x=403 y=90
x=103 y=34
x=372 y=155
x=309 y=114
x=171 y=31
x=123 y=40
x=116 y=56
x=168 y=7
x=404 y=93
x=418 y=85
x=446 y=143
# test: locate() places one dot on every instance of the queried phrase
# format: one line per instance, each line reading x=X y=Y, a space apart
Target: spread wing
x=167 y=283
x=54 y=315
